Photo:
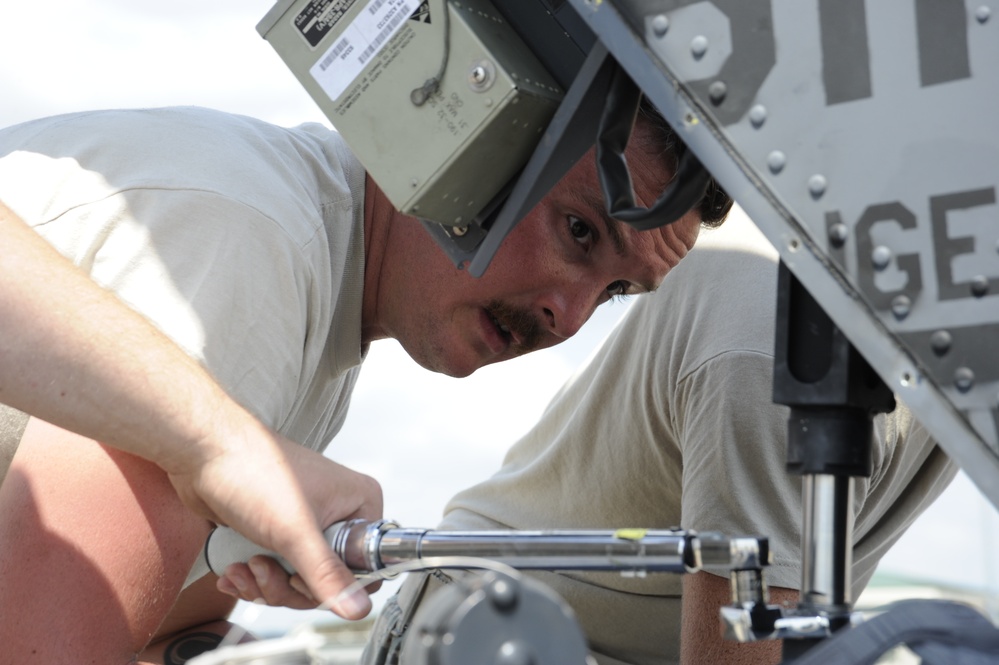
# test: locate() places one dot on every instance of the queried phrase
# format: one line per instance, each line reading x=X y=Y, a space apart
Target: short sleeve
x=218 y=277
x=734 y=475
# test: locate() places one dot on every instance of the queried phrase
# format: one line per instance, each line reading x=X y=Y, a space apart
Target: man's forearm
x=701 y=641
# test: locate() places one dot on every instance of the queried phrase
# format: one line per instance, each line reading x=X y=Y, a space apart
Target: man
x=270 y=257
x=672 y=423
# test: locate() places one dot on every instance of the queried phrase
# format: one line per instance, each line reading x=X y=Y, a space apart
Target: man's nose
x=566 y=310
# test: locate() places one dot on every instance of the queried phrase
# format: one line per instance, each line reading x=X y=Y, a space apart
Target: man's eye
x=579 y=229
x=617 y=289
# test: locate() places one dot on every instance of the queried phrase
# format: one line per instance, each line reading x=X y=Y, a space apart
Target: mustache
x=523 y=324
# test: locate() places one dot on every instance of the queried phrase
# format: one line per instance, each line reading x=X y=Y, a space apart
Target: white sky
x=422 y=435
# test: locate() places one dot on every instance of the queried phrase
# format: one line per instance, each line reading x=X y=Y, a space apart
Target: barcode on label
x=332 y=55
x=382 y=36
x=375 y=6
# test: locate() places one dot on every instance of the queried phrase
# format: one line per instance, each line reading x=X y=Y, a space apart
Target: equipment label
x=360 y=41
x=319 y=16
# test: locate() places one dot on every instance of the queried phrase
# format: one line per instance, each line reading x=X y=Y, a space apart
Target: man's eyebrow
x=610 y=224
x=613 y=229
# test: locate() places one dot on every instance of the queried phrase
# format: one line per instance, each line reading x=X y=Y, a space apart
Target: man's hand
x=280 y=495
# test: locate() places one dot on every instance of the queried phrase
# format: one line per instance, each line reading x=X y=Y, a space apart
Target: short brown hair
x=714 y=206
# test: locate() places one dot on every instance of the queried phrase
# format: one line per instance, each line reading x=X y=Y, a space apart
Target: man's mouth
x=517 y=327
x=502 y=327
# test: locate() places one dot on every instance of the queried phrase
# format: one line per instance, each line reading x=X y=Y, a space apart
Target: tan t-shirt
x=672 y=424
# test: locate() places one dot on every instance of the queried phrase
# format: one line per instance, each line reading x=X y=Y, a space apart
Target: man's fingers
x=327 y=578
x=263 y=580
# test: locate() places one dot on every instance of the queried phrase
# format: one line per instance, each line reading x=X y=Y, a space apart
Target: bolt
x=503 y=594
x=514 y=652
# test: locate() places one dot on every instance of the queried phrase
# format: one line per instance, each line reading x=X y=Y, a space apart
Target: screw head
x=514 y=652
x=503 y=594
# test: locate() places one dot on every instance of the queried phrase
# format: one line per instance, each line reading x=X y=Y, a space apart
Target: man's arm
x=700 y=643
x=69 y=349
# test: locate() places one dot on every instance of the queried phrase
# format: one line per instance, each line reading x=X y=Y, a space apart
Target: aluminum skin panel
x=861 y=138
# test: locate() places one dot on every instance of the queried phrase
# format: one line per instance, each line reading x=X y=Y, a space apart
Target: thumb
x=329 y=580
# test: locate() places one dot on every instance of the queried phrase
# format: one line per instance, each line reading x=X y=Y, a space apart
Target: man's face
x=549 y=275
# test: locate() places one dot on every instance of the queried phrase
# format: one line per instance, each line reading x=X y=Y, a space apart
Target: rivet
x=900 y=306
x=776 y=161
x=838 y=233
x=940 y=342
x=817 y=185
x=514 y=652
x=660 y=24
x=503 y=594
x=964 y=379
x=880 y=257
x=699 y=46
x=979 y=286
x=717 y=92
x=982 y=14
x=414 y=182
x=758 y=115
